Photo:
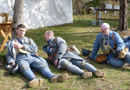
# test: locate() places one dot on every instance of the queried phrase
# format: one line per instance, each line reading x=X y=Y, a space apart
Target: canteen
x=100 y=58
x=86 y=52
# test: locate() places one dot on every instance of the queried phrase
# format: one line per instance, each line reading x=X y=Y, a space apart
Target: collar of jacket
x=51 y=40
x=26 y=40
x=110 y=34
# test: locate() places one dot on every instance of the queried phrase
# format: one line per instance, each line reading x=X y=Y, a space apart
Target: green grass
x=81 y=34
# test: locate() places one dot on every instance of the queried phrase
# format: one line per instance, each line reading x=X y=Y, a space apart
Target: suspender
x=115 y=46
x=113 y=38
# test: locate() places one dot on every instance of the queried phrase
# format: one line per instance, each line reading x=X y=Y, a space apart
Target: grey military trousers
x=76 y=66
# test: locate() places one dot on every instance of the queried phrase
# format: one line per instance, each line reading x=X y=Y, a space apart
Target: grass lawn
x=81 y=34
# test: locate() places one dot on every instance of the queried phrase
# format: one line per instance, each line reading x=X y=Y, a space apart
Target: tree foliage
x=80 y=5
x=93 y=3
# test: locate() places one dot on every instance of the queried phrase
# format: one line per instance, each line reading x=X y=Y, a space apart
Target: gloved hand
x=116 y=55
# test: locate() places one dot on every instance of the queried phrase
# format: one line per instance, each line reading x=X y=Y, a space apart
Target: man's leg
x=65 y=64
x=127 y=58
x=85 y=65
x=115 y=63
x=44 y=69
x=25 y=69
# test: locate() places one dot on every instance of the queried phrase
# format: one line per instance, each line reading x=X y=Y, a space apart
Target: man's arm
x=95 y=47
x=18 y=46
x=31 y=47
x=61 y=48
x=120 y=43
x=10 y=58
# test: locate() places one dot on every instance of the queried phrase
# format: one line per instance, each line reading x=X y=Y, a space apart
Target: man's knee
x=64 y=63
x=23 y=68
x=127 y=56
x=116 y=63
x=42 y=65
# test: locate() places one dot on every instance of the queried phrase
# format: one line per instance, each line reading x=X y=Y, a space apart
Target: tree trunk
x=17 y=16
x=123 y=24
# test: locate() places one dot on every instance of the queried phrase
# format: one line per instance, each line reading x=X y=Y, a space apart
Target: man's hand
x=18 y=46
x=116 y=55
x=56 y=62
x=50 y=57
x=12 y=64
x=87 y=58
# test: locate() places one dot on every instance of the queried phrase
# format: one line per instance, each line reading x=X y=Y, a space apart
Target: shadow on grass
x=124 y=68
x=108 y=66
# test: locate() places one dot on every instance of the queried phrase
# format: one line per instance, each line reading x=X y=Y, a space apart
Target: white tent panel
x=42 y=13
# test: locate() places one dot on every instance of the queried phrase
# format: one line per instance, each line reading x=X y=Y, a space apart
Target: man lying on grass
x=60 y=56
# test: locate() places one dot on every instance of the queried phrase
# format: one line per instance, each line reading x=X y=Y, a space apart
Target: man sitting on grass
x=21 y=50
x=112 y=45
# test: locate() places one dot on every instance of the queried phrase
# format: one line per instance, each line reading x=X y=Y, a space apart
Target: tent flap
x=41 y=13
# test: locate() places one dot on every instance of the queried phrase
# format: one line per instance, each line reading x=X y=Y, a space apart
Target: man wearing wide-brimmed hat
x=21 y=50
x=113 y=47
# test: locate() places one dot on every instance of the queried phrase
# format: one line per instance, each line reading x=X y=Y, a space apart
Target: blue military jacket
x=60 y=46
x=29 y=44
x=97 y=44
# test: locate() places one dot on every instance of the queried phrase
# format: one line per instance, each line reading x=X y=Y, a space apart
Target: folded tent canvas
x=41 y=13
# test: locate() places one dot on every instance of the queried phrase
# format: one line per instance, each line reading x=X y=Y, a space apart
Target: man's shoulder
x=12 y=39
x=115 y=33
x=28 y=38
x=99 y=35
x=59 y=38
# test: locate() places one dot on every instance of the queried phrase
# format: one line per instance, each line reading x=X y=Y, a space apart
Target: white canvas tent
x=41 y=13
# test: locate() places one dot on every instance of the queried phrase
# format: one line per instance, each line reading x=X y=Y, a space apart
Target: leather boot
x=59 y=78
x=87 y=74
x=99 y=73
x=35 y=82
